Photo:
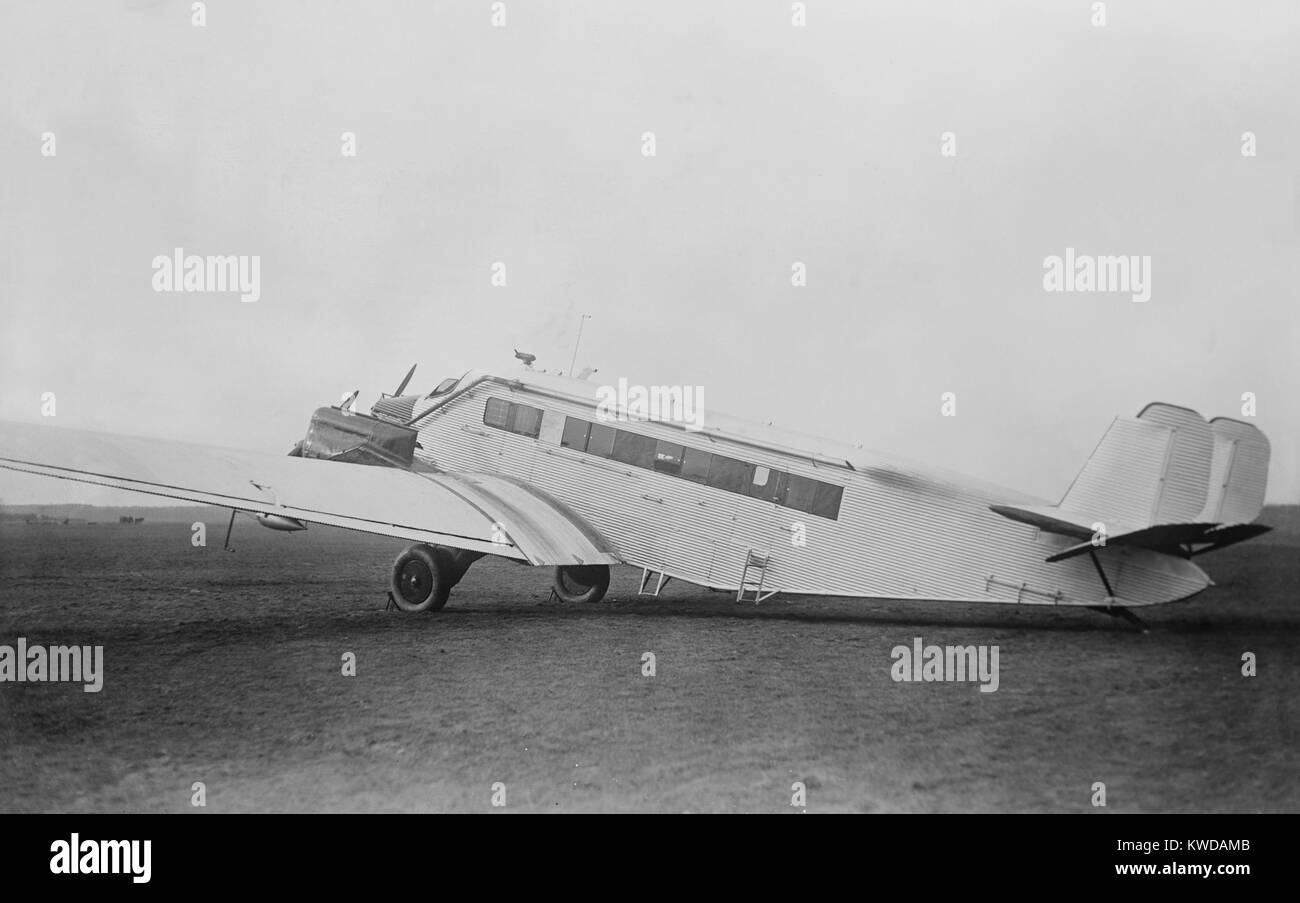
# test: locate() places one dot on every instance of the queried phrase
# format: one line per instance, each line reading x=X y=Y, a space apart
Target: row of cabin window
x=717 y=471
x=641 y=451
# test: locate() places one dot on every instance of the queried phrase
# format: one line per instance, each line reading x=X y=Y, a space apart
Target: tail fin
x=1166 y=480
x=1238 y=475
x=1148 y=470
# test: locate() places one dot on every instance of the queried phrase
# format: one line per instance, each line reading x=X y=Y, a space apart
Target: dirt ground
x=225 y=668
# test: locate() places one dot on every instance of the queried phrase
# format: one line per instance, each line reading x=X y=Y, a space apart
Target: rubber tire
x=429 y=565
x=581 y=582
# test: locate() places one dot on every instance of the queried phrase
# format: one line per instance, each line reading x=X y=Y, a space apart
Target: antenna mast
x=581 y=320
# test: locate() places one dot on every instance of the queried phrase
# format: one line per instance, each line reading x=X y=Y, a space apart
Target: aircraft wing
x=478 y=512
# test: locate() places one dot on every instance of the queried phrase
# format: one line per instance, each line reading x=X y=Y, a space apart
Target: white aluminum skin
x=903 y=532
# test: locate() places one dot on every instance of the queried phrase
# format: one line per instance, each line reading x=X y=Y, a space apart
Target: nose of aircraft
x=336 y=435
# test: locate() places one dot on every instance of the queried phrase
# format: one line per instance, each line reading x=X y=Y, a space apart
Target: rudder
x=1239 y=474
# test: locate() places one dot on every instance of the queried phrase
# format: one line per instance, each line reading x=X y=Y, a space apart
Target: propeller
x=409 y=374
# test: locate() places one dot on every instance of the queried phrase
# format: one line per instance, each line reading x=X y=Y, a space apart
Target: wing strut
x=230 y=526
x=1110 y=593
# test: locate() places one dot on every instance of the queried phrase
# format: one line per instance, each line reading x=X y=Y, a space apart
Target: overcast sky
x=774 y=144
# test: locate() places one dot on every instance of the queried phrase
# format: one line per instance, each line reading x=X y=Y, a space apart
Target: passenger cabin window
x=497 y=413
x=718 y=471
x=575 y=434
x=527 y=420
x=729 y=474
x=768 y=484
x=827 y=501
x=695 y=465
x=601 y=440
x=800 y=492
x=634 y=449
x=668 y=457
x=523 y=419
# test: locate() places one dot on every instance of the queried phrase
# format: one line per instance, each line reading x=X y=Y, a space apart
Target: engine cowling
x=334 y=435
x=280 y=522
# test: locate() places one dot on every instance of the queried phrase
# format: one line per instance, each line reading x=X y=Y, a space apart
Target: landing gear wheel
x=422 y=579
x=581 y=582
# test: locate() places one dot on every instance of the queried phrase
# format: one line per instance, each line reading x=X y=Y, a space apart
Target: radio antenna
x=581 y=320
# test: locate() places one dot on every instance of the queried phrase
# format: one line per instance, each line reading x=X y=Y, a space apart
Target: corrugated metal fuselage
x=901 y=532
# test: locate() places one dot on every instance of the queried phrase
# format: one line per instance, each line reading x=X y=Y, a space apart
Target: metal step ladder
x=755 y=566
x=660 y=582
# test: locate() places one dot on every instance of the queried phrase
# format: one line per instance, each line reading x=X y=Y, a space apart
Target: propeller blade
x=409 y=374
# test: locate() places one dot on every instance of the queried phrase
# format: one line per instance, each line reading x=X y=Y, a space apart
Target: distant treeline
x=110 y=514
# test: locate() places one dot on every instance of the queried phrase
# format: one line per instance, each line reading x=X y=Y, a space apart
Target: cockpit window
x=445 y=386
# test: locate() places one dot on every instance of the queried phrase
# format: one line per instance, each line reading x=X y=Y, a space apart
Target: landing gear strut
x=1115 y=611
x=581 y=582
x=423 y=576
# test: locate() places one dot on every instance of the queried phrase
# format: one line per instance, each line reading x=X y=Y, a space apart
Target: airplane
x=536 y=468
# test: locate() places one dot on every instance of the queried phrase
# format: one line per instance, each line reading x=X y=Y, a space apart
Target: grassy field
x=225 y=668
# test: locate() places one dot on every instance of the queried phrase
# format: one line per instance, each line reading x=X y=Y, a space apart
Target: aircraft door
x=758 y=525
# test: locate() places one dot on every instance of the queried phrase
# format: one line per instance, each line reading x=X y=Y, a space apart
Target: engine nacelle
x=280 y=522
x=333 y=435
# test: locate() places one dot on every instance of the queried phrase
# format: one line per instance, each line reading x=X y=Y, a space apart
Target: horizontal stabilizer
x=1181 y=539
x=1229 y=534
x=1172 y=538
x=1053 y=519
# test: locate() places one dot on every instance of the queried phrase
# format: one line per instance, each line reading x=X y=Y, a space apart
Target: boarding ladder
x=660 y=582
x=752 y=577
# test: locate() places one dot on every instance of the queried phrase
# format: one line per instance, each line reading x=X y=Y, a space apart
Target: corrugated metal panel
x=1220 y=471
x=1147 y=577
x=1240 y=472
x=539 y=526
x=1119 y=485
x=400 y=408
x=901 y=532
x=1186 y=477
